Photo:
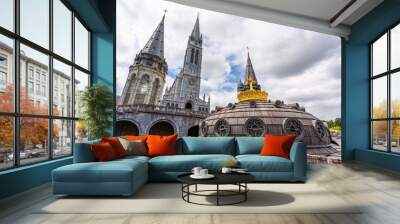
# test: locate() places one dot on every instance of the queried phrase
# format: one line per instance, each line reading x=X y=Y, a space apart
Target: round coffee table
x=238 y=179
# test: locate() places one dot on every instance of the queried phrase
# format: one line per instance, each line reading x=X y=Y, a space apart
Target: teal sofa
x=125 y=176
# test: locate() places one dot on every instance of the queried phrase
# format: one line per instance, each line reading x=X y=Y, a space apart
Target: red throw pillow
x=103 y=152
x=116 y=145
x=136 y=137
x=277 y=145
x=161 y=145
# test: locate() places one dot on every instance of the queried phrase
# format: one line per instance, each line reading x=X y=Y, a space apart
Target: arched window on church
x=153 y=96
x=196 y=60
x=192 y=56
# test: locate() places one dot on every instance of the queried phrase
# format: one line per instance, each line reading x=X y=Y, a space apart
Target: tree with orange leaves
x=33 y=131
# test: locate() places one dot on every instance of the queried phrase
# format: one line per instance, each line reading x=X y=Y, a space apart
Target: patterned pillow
x=136 y=147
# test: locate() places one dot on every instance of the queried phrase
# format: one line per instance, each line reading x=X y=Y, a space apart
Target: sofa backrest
x=249 y=145
x=190 y=146
x=83 y=152
x=206 y=145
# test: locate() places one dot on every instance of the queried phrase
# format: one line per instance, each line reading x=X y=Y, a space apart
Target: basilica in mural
x=143 y=108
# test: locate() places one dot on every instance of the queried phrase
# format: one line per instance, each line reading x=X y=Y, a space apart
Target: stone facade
x=146 y=117
x=185 y=91
x=142 y=109
x=146 y=77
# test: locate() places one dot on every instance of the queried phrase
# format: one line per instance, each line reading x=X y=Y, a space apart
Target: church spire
x=250 y=74
x=250 y=89
x=155 y=45
x=196 y=30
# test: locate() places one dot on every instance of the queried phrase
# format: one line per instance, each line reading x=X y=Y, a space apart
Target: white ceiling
x=321 y=9
x=316 y=15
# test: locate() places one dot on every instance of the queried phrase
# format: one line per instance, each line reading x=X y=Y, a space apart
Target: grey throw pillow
x=137 y=147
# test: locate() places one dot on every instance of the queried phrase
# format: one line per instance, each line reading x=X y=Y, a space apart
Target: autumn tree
x=33 y=131
x=380 y=127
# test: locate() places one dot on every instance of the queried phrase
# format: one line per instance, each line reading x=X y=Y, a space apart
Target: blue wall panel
x=355 y=80
x=356 y=104
x=103 y=63
x=102 y=59
x=24 y=178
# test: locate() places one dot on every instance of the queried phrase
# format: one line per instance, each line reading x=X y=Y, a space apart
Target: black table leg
x=217 y=194
x=188 y=190
x=245 y=193
x=195 y=188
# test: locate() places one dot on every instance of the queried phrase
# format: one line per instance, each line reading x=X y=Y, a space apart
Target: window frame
x=16 y=114
x=388 y=74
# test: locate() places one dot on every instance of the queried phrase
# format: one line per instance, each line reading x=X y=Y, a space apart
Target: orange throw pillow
x=161 y=145
x=116 y=145
x=103 y=152
x=136 y=137
x=277 y=145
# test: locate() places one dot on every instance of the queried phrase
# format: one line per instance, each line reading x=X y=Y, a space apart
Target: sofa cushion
x=257 y=163
x=185 y=163
x=249 y=145
x=112 y=171
x=135 y=137
x=103 y=152
x=134 y=147
x=116 y=145
x=277 y=145
x=161 y=145
x=206 y=145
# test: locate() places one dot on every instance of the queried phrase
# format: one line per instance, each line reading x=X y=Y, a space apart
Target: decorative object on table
x=202 y=177
x=240 y=170
x=97 y=102
x=230 y=170
x=200 y=173
x=226 y=170
x=196 y=170
x=239 y=180
x=231 y=163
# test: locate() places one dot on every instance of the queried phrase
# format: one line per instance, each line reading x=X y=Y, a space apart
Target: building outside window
x=38 y=89
x=30 y=87
x=30 y=72
x=3 y=61
x=57 y=127
x=3 y=71
x=43 y=90
x=37 y=75
x=3 y=78
x=43 y=77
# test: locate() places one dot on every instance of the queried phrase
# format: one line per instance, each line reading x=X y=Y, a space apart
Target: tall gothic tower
x=185 y=91
x=146 y=77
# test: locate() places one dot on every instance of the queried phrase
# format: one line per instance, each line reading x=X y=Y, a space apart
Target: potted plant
x=96 y=103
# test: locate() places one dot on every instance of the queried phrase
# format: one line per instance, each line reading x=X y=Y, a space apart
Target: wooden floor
x=379 y=189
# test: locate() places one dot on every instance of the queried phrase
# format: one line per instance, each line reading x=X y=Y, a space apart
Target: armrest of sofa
x=298 y=155
x=83 y=152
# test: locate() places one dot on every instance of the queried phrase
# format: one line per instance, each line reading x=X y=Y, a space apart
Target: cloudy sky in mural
x=291 y=64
